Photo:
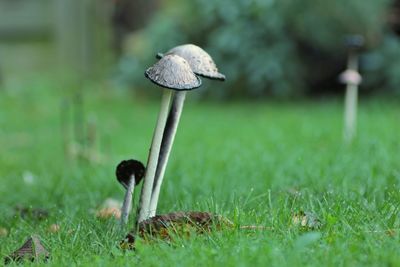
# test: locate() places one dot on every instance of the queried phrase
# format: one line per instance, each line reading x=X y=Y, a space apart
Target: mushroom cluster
x=177 y=71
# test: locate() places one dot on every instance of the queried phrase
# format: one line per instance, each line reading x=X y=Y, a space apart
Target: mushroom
x=171 y=72
x=352 y=79
x=202 y=64
x=129 y=174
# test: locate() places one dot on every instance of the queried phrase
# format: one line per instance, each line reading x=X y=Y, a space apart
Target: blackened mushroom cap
x=126 y=168
x=173 y=72
x=199 y=60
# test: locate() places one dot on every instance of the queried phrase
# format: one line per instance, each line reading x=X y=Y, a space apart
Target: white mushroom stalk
x=127 y=204
x=166 y=147
x=145 y=196
x=174 y=73
x=202 y=64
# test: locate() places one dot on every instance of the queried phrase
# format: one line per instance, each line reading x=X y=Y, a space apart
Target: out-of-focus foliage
x=269 y=47
x=382 y=65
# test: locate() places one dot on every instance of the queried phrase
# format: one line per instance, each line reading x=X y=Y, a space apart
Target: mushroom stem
x=166 y=146
x=127 y=205
x=351 y=102
x=145 y=196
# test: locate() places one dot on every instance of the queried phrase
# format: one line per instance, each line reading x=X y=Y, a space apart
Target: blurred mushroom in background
x=352 y=79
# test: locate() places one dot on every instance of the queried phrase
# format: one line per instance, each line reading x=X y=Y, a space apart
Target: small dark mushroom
x=171 y=72
x=129 y=174
x=31 y=250
x=126 y=169
x=201 y=64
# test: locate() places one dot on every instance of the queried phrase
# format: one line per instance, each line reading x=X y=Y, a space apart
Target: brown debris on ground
x=180 y=223
x=32 y=250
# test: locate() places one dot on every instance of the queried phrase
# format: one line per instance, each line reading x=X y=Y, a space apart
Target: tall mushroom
x=352 y=79
x=202 y=64
x=129 y=174
x=171 y=72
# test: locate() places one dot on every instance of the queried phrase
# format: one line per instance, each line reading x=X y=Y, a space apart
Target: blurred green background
x=265 y=47
x=258 y=148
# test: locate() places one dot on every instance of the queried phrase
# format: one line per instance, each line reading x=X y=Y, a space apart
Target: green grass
x=255 y=163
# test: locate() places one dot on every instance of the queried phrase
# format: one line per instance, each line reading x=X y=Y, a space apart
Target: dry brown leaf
x=31 y=250
x=110 y=208
x=106 y=213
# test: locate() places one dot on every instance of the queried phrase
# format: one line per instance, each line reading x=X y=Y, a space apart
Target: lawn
x=257 y=163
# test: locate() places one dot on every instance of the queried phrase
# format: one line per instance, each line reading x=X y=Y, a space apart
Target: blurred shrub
x=268 y=47
x=382 y=65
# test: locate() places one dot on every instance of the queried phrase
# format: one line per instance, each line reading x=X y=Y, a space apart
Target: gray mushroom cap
x=199 y=60
x=173 y=72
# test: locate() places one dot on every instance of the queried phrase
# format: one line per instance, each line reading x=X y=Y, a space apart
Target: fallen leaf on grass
x=31 y=250
x=106 y=213
x=307 y=220
x=110 y=208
